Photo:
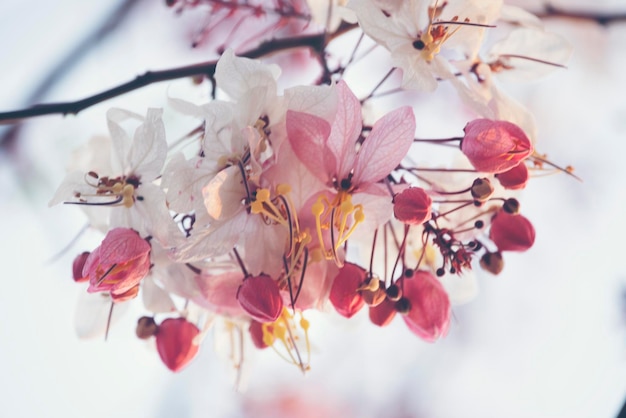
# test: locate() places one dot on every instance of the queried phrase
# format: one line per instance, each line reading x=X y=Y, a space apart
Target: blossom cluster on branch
x=284 y=201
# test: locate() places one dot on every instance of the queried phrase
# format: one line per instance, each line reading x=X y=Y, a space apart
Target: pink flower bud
x=412 y=206
x=344 y=294
x=514 y=178
x=382 y=314
x=260 y=297
x=77 y=267
x=495 y=146
x=429 y=311
x=119 y=263
x=175 y=342
x=511 y=232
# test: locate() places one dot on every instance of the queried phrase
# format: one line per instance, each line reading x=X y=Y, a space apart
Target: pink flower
x=344 y=294
x=495 y=146
x=260 y=297
x=428 y=315
x=119 y=263
x=511 y=232
x=412 y=206
x=342 y=160
x=330 y=151
x=175 y=342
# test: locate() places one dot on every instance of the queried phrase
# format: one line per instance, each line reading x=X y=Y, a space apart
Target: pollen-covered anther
x=481 y=189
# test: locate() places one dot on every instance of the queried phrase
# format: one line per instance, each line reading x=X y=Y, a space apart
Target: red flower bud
x=511 y=232
x=382 y=314
x=429 y=312
x=412 y=206
x=344 y=295
x=495 y=146
x=175 y=342
x=514 y=178
x=260 y=297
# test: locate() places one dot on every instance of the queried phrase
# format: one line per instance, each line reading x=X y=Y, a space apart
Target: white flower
x=416 y=35
x=122 y=188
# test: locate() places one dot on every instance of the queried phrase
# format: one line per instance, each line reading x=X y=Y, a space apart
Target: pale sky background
x=547 y=338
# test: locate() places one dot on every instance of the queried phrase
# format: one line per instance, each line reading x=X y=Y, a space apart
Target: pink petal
x=345 y=131
x=218 y=293
x=307 y=135
x=260 y=297
x=385 y=147
x=175 y=342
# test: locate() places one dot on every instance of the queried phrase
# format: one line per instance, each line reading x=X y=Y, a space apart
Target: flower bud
x=119 y=263
x=175 y=342
x=481 y=189
x=511 y=206
x=260 y=297
x=492 y=262
x=146 y=327
x=344 y=295
x=514 y=178
x=495 y=146
x=412 y=206
x=382 y=314
x=375 y=297
x=511 y=232
x=428 y=315
x=77 y=267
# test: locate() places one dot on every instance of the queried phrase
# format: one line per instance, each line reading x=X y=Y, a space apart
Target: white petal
x=236 y=75
x=92 y=313
x=147 y=153
x=154 y=298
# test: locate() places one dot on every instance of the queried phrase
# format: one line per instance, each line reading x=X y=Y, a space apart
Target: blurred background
x=546 y=338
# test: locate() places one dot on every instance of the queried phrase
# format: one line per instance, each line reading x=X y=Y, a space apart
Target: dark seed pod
x=146 y=327
x=403 y=305
x=394 y=293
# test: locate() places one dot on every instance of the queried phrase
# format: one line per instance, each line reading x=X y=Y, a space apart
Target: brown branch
x=315 y=42
x=600 y=18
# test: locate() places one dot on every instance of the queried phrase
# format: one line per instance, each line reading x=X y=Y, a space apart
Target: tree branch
x=314 y=42
x=600 y=18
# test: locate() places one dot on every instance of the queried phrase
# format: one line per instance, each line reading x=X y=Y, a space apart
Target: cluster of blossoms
x=287 y=201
